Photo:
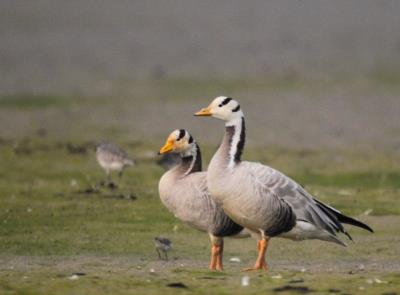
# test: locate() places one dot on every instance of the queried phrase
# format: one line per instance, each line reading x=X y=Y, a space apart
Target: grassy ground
x=63 y=233
x=56 y=221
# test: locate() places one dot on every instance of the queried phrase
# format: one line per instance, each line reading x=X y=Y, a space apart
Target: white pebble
x=152 y=270
x=74 y=277
x=234 y=259
x=278 y=276
x=245 y=281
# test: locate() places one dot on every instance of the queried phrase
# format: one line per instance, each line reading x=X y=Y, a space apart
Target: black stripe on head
x=190 y=139
x=236 y=109
x=181 y=134
x=225 y=101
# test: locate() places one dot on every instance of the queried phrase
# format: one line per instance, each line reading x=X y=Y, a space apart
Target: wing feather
x=305 y=207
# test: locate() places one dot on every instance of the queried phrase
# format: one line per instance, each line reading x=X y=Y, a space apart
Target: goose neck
x=190 y=162
x=232 y=145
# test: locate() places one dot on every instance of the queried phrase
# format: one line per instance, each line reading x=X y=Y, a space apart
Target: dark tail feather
x=348 y=235
x=348 y=220
x=343 y=218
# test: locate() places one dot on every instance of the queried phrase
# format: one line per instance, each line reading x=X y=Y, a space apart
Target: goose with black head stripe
x=183 y=190
x=262 y=199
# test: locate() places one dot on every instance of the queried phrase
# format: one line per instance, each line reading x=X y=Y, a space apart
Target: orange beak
x=204 y=112
x=168 y=146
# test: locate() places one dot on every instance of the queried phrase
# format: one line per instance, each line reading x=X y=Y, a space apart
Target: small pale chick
x=112 y=158
x=163 y=245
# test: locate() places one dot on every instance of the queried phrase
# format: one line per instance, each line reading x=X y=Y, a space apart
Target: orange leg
x=220 y=249
x=213 y=261
x=262 y=246
x=216 y=256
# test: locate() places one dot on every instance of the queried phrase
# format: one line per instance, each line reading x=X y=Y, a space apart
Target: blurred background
x=308 y=73
x=318 y=81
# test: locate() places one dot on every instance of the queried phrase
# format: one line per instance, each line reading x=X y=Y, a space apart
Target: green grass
x=199 y=282
x=49 y=229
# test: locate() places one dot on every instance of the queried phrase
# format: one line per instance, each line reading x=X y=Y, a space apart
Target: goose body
x=260 y=198
x=278 y=206
x=183 y=191
x=189 y=200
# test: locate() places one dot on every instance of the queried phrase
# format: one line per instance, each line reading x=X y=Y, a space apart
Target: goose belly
x=246 y=215
x=307 y=231
x=186 y=204
x=189 y=211
x=246 y=206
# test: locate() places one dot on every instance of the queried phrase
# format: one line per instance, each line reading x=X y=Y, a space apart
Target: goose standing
x=261 y=198
x=183 y=190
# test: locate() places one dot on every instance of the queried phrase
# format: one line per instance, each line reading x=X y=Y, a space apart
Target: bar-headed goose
x=183 y=190
x=261 y=198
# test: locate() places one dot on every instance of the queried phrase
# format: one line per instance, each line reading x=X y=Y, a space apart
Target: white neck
x=236 y=120
x=227 y=155
x=234 y=142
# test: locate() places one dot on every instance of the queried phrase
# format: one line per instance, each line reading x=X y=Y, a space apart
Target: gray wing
x=305 y=207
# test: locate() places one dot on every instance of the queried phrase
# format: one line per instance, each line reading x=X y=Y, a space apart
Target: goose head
x=223 y=108
x=179 y=141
